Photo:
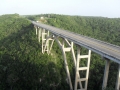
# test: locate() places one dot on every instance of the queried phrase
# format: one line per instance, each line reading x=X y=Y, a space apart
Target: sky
x=103 y=8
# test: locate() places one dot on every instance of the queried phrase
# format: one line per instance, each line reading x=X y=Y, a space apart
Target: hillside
x=24 y=67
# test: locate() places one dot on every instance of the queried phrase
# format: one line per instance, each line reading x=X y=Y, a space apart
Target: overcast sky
x=104 y=8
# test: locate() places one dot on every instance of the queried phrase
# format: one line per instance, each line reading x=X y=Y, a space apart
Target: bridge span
x=108 y=51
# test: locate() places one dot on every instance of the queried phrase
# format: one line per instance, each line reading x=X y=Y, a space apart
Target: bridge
x=66 y=40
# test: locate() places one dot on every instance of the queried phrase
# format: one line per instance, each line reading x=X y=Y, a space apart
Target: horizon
x=58 y=14
x=101 y=8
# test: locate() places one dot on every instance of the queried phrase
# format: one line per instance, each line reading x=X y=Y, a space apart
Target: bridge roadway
x=106 y=50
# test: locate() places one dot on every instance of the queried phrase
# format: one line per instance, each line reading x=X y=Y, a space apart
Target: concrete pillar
x=65 y=63
x=106 y=71
x=118 y=79
x=68 y=48
x=47 y=42
x=78 y=79
x=73 y=54
x=36 y=30
x=39 y=34
x=43 y=39
x=67 y=69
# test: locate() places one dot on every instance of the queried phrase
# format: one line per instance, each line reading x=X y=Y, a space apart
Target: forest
x=24 y=67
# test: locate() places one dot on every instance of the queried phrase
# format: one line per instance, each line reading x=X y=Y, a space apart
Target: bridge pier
x=45 y=34
x=49 y=45
x=39 y=34
x=83 y=81
x=118 y=79
x=46 y=38
x=106 y=72
x=105 y=79
x=64 y=49
x=36 y=29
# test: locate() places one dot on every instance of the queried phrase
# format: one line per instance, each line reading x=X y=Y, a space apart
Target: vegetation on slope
x=24 y=67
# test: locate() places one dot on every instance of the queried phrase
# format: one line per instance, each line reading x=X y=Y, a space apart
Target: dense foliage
x=24 y=67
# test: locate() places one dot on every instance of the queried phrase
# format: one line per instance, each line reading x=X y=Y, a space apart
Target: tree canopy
x=24 y=67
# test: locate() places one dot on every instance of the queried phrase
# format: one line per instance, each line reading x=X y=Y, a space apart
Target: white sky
x=105 y=8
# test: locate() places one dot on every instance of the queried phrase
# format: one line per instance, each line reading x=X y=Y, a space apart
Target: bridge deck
x=106 y=50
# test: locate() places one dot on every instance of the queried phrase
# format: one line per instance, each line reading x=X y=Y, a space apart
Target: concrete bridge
x=66 y=40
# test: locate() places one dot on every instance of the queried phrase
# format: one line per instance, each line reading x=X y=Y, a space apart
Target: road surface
x=106 y=50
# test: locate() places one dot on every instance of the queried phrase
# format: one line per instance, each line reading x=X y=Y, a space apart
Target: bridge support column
x=83 y=82
x=48 y=39
x=45 y=39
x=118 y=80
x=106 y=71
x=64 y=49
x=36 y=29
x=39 y=34
x=44 y=36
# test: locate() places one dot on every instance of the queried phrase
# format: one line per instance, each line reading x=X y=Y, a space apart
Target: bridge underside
x=65 y=45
